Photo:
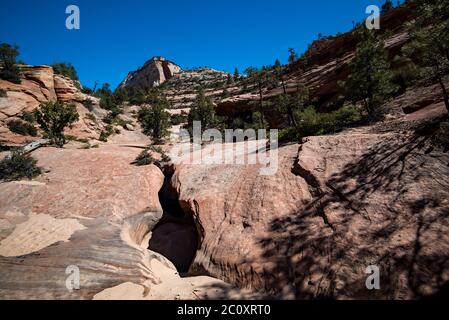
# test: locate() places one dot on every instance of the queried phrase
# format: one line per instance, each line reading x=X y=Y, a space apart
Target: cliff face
x=39 y=84
x=153 y=73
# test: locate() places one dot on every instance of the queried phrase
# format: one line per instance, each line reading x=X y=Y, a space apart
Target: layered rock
x=90 y=211
x=39 y=84
x=337 y=205
x=152 y=74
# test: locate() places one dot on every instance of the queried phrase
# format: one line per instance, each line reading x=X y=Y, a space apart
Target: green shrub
x=29 y=117
x=105 y=134
x=65 y=69
x=91 y=117
x=155 y=121
x=2 y=93
x=145 y=157
x=86 y=90
x=88 y=104
x=54 y=117
x=18 y=166
x=311 y=123
x=22 y=128
x=177 y=119
x=288 y=134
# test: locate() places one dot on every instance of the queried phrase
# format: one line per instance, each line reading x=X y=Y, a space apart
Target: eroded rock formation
x=337 y=205
x=153 y=73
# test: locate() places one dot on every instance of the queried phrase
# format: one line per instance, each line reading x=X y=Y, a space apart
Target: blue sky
x=119 y=36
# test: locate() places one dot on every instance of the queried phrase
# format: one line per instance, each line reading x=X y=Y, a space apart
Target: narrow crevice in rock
x=314 y=185
x=314 y=189
x=175 y=236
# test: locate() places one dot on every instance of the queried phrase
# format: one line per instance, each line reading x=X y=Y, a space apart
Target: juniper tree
x=155 y=120
x=53 y=117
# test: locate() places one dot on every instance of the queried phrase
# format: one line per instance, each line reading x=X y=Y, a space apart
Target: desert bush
x=105 y=134
x=22 y=128
x=146 y=158
x=312 y=123
x=2 y=93
x=54 y=117
x=18 y=166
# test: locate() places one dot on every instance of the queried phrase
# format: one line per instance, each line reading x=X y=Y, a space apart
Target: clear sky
x=118 y=36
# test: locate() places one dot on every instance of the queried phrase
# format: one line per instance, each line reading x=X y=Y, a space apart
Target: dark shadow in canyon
x=409 y=246
x=175 y=236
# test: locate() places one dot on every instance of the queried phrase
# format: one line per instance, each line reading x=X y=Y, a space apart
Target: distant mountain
x=153 y=73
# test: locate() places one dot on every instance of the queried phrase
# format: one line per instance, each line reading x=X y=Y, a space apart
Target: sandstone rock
x=129 y=127
x=92 y=212
x=66 y=90
x=152 y=74
x=89 y=217
x=43 y=77
x=337 y=205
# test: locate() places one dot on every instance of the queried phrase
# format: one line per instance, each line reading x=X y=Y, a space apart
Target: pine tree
x=202 y=110
x=236 y=75
x=429 y=45
x=371 y=79
x=261 y=78
x=229 y=80
x=155 y=121
x=277 y=64
x=292 y=56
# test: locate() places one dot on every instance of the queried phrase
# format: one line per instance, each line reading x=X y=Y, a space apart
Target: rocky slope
x=181 y=90
x=338 y=204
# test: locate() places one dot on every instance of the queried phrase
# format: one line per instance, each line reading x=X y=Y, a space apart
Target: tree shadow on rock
x=388 y=208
